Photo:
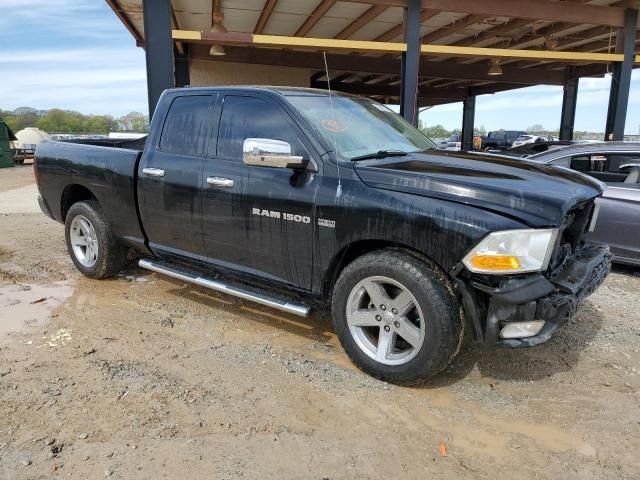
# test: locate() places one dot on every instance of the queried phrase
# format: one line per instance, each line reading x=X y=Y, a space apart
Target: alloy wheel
x=385 y=320
x=84 y=241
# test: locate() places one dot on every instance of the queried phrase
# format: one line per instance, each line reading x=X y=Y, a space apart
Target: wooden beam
x=425 y=94
x=491 y=34
x=115 y=6
x=492 y=37
x=329 y=44
x=322 y=8
x=281 y=41
x=452 y=28
x=547 y=10
x=361 y=21
x=264 y=16
x=398 y=29
x=339 y=63
x=390 y=90
x=596 y=45
x=176 y=26
x=565 y=56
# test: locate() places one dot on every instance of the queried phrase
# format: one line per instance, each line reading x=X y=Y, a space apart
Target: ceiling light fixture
x=495 y=69
x=217 y=18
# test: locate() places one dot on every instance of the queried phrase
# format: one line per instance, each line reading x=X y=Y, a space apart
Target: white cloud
x=73 y=55
x=70 y=54
x=83 y=18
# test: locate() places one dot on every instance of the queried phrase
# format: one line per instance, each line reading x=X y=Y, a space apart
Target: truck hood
x=535 y=194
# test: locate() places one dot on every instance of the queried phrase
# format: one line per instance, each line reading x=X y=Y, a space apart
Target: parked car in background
x=451 y=143
x=529 y=149
x=500 y=139
x=526 y=139
x=617 y=164
x=454 y=142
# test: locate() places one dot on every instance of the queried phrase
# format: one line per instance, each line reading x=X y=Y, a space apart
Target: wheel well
x=74 y=194
x=357 y=249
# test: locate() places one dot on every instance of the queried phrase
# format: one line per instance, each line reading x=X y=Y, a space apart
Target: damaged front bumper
x=534 y=298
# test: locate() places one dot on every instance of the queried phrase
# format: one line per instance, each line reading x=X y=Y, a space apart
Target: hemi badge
x=323 y=222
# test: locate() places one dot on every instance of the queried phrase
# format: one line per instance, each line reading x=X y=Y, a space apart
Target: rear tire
x=94 y=250
x=396 y=318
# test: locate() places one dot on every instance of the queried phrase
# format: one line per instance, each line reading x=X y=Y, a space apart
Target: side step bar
x=192 y=277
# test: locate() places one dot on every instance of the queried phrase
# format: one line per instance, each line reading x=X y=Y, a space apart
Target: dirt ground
x=142 y=376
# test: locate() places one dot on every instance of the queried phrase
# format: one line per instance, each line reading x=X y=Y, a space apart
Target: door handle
x=153 y=172
x=220 y=182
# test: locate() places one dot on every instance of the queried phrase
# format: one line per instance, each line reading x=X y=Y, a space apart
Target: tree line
x=439 y=132
x=68 y=121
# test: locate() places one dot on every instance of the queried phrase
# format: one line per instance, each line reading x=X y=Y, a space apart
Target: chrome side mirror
x=265 y=152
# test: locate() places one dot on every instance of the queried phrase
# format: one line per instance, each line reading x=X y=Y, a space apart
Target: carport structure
x=414 y=53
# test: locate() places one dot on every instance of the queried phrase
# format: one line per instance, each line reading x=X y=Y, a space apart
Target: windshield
x=360 y=127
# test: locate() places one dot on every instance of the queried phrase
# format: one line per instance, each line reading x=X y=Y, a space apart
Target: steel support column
x=468 y=120
x=621 y=78
x=568 y=115
x=158 y=49
x=181 y=67
x=410 y=62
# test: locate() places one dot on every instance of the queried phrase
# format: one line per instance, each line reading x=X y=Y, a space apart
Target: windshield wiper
x=380 y=154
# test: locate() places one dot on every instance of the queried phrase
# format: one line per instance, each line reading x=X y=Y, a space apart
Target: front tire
x=93 y=248
x=396 y=318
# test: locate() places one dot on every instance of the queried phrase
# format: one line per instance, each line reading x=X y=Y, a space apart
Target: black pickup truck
x=499 y=140
x=298 y=200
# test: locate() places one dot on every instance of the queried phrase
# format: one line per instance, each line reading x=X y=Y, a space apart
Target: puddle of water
x=23 y=306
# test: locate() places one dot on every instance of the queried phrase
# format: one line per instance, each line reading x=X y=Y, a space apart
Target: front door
x=259 y=220
x=170 y=179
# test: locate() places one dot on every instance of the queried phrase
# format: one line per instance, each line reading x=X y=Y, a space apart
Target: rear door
x=170 y=178
x=259 y=220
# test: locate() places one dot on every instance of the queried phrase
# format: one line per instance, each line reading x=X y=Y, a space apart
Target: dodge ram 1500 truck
x=296 y=199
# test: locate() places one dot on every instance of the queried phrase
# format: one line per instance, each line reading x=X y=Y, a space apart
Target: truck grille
x=572 y=233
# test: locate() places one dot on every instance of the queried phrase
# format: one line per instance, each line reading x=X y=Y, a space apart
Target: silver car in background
x=617 y=164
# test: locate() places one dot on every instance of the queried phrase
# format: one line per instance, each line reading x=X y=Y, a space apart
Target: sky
x=524 y=107
x=77 y=55
x=70 y=54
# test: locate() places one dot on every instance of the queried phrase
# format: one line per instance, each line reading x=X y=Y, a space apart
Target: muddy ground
x=146 y=377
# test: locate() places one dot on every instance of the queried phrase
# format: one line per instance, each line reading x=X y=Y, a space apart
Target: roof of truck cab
x=282 y=90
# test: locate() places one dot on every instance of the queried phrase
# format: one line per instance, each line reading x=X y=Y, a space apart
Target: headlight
x=512 y=251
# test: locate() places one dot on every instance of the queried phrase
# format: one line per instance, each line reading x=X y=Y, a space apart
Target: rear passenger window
x=251 y=117
x=187 y=126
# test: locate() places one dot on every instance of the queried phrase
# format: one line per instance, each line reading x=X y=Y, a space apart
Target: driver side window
x=252 y=117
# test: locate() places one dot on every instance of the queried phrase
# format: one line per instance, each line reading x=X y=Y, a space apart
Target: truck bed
x=66 y=169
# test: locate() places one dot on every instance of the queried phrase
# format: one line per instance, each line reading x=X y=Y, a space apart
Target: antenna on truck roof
x=335 y=140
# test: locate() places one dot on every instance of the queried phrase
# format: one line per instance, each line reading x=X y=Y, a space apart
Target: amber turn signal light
x=495 y=262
